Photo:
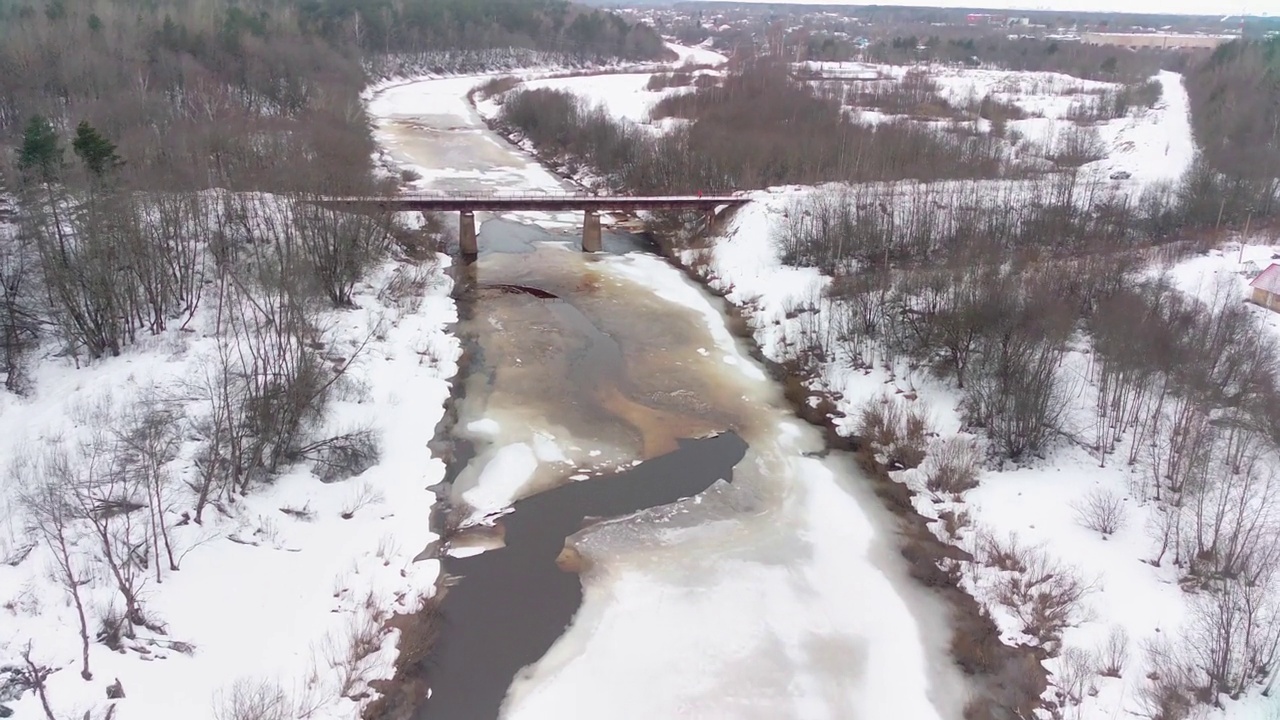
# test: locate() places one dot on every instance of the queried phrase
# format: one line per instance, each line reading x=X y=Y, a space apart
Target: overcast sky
x=1166 y=7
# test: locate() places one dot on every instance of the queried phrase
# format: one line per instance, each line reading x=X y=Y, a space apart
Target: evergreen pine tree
x=96 y=152
x=41 y=155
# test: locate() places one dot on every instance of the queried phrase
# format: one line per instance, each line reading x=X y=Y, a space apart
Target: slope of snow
x=1156 y=145
x=1232 y=266
x=624 y=96
x=697 y=55
x=1035 y=504
x=271 y=587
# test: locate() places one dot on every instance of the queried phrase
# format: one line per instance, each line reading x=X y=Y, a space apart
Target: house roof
x=1268 y=279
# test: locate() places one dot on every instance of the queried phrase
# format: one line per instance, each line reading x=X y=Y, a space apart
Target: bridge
x=468 y=204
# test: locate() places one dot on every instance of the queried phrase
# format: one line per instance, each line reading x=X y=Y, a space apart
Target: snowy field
x=271 y=588
x=1152 y=145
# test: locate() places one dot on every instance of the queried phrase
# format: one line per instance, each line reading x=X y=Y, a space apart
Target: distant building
x=1167 y=41
x=985 y=19
x=1266 y=288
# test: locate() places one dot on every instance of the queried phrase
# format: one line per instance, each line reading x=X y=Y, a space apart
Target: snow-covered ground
x=1152 y=145
x=1033 y=504
x=624 y=96
x=1234 y=265
x=697 y=55
x=272 y=587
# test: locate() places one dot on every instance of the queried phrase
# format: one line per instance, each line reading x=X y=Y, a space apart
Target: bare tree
x=147 y=440
x=52 y=515
x=1102 y=511
x=340 y=246
x=34 y=675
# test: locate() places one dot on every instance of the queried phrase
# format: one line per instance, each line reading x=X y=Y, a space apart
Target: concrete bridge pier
x=592 y=240
x=467 y=243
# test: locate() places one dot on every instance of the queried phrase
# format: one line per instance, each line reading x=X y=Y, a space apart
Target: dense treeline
x=258 y=94
x=756 y=129
x=961 y=46
x=1235 y=99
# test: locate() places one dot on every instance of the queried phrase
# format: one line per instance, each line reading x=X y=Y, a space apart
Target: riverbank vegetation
x=159 y=163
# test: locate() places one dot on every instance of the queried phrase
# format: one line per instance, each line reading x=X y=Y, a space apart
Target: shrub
x=908 y=450
x=1008 y=555
x=1114 y=652
x=1045 y=596
x=1102 y=511
x=953 y=466
x=1076 y=668
x=343 y=456
x=253 y=699
x=879 y=421
x=662 y=81
x=498 y=86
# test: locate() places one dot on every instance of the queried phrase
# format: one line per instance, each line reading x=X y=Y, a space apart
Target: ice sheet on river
x=734 y=606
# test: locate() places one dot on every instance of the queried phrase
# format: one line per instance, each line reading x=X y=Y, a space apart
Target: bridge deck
x=499 y=202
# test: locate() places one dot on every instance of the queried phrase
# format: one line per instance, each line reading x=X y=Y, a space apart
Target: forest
x=262 y=94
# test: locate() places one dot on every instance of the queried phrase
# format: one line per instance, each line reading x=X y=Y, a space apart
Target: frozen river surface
x=778 y=595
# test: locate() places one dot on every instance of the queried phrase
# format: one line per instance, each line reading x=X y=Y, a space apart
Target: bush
x=1045 y=596
x=908 y=451
x=1076 y=668
x=1114 y=653
x=953 y=466
x=1009 y=555
x=498 y=85
x=1102 y=511
x=662 y=81
x=253 y=699
x=890 y=427
x=343 y=456
x=879 y=421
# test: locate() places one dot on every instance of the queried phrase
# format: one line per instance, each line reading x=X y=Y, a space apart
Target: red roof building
x=1266 y=288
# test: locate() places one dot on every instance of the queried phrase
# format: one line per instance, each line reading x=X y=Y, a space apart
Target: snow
x=624 y=96
x=697 y=55
x=728 y=629
x=503 y=477
x=1036 y=504
x=1153 y=145
x=1231 y=265
x=1157 y=145
x=261 y=593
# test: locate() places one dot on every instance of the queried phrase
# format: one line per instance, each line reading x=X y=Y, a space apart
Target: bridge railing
x=526 y=196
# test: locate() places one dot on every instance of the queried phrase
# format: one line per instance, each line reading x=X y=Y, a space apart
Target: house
x=1266 y=288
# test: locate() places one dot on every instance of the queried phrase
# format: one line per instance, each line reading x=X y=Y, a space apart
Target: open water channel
x=667 y=539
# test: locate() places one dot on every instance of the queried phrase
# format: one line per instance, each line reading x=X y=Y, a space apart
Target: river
x=662 y=537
